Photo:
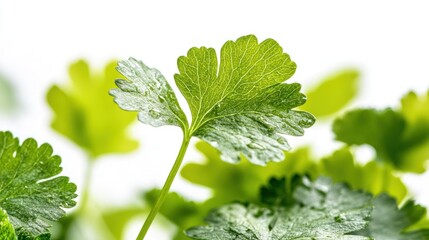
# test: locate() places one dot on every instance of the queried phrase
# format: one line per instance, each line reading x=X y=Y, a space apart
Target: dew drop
x=338 y=219
x=161 y=99
x=255 y=146
x=281 y=141
x=154 y=113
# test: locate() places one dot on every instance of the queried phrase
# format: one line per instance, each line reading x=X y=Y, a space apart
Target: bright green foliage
x=397 y=140
x=240 y=106
x=178 y=210
x=85 y=114
x=6 y=229
x=373 y=177
x=245 y=106
x=116 y=220
x=7 y=95
x=415 y=110
x=319 y=210
x=30 y=191
x=241 y=182
x=389 y=223
x=332 y=94
x=229 y=182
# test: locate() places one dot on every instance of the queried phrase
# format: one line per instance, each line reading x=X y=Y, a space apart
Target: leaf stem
x=166 y=187
x=86 y=185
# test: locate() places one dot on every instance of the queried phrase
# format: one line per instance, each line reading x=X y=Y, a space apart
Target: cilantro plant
x=240 y=105
x=31 y=193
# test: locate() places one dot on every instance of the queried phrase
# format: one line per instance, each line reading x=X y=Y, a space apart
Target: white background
x=387 y=40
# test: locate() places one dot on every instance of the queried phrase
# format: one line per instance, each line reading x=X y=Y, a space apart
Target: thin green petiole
x=166 y=187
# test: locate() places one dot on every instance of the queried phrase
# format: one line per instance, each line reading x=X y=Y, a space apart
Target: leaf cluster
x=400 y=137
x=300 y=209
x=31 y=193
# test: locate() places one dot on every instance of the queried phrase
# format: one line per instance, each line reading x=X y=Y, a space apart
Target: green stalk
x=166 y=187
x=86 y=184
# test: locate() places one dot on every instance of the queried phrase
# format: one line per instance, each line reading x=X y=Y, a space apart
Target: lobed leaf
x=398 y=140
x=390 y=223
x=31 y=193
x=321 y=210
x=241 y=105
x=86 y=115
x=372 y=177
x=244 y=108
x=147 y=92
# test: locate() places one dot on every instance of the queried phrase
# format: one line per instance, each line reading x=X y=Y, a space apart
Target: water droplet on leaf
x=154 y=113
x=255 y=146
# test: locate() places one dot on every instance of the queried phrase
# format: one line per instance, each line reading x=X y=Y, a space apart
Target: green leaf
x=177 y=209
x=372 y=177
x=415 y=110
x=397 y=140
x=242 y=106
x=148 y=93
x=116 y=220
x=181 y=212
x=85 y=114
x=342 y=88
x=6 y=229
x=30 y=191
x=241 y=182
x=321 y=210
x=389 y=223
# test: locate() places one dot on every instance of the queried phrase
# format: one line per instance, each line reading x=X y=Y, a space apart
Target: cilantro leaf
x=86 y=115
x=321 y=210
x=30 y=191
x=241 y=106
x=397 y=141
x=415 y=110
x=342 y=88
x=389 y=223
x=148 y=93
x=372 y=177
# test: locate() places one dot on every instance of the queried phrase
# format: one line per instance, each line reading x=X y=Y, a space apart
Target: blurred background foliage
x=84 y=111
x=332 y=93
x=8 y=99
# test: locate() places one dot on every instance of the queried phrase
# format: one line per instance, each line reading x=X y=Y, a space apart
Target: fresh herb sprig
x=240 y=105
